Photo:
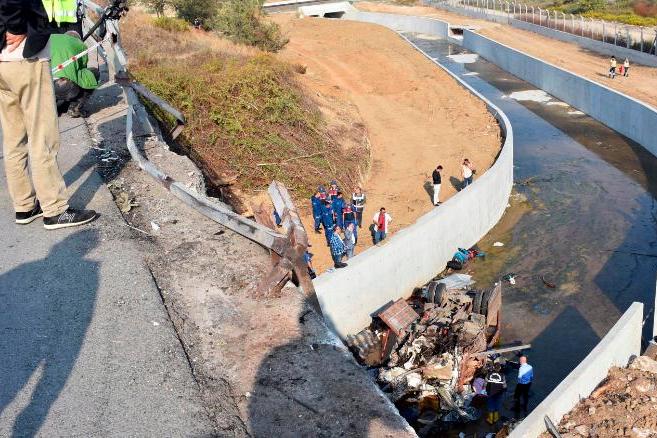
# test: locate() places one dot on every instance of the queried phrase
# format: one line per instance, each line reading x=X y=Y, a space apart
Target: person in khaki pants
x=28 y=117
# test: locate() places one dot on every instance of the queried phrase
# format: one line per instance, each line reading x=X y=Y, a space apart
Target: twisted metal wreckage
x=287 y=248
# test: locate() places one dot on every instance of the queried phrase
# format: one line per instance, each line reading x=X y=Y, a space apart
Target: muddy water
x=582 y=218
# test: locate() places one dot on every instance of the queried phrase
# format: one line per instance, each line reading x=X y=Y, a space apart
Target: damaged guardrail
x=289 y=247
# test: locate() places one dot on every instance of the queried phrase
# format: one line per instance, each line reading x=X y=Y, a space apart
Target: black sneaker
x=70 y=218
x=29 y=216
x=340 y=265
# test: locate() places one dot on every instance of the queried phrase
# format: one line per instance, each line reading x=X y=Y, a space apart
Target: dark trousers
x=318 y=222
x=359 y=218
x=521 y=392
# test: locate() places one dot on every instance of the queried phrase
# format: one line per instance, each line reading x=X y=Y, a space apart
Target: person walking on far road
x=317 y=202
x=358 y=200
x=337 y=248
x=437 y=181
x=350 y=239
x=29 y=119
x=468 y=172
x=381 y=222
x=626 y=68
x=612 y=67
x=525 y=379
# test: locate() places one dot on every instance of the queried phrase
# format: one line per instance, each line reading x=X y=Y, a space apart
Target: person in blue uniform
x=316 y=201
x=327 y=220
x=338 y=209
x=349 y=217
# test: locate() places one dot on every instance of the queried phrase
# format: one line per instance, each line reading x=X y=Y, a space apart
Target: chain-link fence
x=642 y=39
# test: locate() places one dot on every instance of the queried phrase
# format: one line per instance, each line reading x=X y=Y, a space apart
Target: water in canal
x=582 y=217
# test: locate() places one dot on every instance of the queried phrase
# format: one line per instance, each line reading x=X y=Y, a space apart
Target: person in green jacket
x=75 y=84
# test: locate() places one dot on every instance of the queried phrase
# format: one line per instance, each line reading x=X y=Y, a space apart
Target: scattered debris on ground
x=624 y=404
x=425 y=351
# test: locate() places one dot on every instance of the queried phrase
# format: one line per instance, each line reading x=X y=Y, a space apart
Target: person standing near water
x=626 y=67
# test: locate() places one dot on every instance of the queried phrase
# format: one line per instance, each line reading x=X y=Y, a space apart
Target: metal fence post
x=641 y=39
x=533 y=20
x=615 y=34
x=572 y=23
x=628 y=36
x=581 y=22
x=540 y=17
x=604 y=34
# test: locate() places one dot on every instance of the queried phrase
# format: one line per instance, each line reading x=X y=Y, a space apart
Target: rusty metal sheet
x=399 y=316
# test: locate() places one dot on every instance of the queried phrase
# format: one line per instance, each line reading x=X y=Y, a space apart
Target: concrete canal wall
x=414 y=255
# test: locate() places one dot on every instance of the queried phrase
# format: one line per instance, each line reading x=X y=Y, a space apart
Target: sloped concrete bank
x=628 y=116
x=414 y=255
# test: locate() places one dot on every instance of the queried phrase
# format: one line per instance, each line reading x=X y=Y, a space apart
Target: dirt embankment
x=416 y=115
x=624 y=404
x=641 y=84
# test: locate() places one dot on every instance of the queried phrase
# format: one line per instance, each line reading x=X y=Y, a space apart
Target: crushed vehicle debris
x=425 y=351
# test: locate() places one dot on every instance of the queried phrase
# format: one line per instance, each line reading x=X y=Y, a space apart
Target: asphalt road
x=86 y=346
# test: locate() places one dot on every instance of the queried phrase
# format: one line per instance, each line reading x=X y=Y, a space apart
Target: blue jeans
x=494 y=403
x=318 y=222
x=379 y=236
x=337 y=258
x=328 y=232
x=467 y=181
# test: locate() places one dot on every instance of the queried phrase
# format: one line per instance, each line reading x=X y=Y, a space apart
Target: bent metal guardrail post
x=290 y=247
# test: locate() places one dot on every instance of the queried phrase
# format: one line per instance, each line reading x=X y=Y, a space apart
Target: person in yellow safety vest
x=65 y=14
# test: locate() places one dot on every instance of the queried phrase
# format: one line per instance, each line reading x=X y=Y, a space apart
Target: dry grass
x=248 y=120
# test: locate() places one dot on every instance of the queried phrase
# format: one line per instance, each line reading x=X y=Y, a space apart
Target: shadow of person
x=456 y=183
x=47 y=306
x=428 y=187
x=310 y=387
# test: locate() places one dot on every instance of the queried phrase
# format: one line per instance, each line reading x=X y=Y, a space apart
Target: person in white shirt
x=626 y=67
x=468 y=172
x=381 y=222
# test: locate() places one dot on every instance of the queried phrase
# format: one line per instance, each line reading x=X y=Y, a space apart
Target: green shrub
x=171 y=24
x=190 y=10
x=241 y=21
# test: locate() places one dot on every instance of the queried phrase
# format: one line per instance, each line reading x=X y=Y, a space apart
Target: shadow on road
x=308 y=388
x=47 y=307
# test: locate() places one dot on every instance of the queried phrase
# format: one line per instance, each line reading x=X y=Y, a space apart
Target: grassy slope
x=248 y=120
x=621 y=11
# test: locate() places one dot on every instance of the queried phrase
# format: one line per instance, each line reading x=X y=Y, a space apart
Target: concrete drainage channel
x=591 y=194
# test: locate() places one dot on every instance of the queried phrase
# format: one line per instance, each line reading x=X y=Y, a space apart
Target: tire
x=431 y=292
x=441 y=289
x=484 y=302
x=476 y=305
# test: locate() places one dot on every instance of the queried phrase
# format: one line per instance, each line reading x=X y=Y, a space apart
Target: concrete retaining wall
x=403 y=23
x=606 y=49
x=615 y=349
x=636 y=120
x=414 y=255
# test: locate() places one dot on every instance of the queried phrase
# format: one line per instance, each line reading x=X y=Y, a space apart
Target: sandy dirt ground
x=641 y=84
x=415 y=114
